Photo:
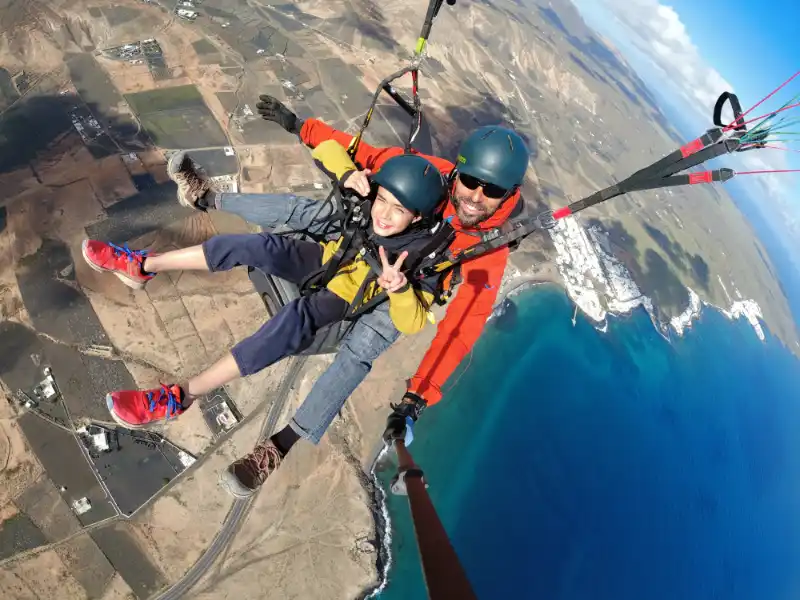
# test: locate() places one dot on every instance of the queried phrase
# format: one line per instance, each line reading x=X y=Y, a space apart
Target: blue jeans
x=277 y=210
x=370 y=336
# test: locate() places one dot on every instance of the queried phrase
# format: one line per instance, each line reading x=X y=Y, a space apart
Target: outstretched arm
x=462 y=325
x=333 y=158
x=314 y=132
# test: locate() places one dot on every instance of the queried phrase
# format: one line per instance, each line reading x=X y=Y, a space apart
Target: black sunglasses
x=490 y=190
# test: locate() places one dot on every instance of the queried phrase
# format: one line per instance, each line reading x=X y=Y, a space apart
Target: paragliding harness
x=667 y=172
x=351 y=215
x=356 y=242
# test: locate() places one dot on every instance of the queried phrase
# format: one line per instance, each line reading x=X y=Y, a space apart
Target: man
x=491 y=166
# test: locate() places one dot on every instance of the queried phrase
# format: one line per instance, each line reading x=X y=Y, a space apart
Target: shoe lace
x=132 y=255
x=164 y=394
x=266 y=459
x=197 y=185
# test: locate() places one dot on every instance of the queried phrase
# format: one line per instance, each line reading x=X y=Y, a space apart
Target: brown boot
x=243 y=477
x=192 y=186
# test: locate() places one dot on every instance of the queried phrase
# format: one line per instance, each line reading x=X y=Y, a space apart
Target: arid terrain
x=95 y=95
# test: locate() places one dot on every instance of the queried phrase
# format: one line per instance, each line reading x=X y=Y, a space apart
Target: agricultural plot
x=101 y=96
x=177 y=118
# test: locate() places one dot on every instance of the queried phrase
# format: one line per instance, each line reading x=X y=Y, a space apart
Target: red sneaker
x=120 y=260
x=136 y=409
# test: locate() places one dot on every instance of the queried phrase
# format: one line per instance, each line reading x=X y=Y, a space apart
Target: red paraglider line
x=777 y=148
x=736 y=122
x=774 y=171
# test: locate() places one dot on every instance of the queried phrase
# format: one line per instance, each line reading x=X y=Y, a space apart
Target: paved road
x=240 y=508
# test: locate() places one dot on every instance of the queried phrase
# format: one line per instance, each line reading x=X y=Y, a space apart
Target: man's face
x=475 y=202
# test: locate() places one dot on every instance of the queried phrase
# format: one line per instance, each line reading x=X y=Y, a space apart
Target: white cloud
x=774 y=186
x=659 y=34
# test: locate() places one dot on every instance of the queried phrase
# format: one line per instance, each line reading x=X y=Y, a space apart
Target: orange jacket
x=473 y=300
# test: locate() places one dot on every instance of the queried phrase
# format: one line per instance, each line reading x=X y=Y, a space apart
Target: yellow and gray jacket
x=409 y=308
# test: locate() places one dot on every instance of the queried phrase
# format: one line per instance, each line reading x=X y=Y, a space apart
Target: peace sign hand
x=391 y=278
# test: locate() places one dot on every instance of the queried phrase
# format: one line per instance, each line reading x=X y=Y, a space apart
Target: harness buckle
x=546 y=220
x=491 y=234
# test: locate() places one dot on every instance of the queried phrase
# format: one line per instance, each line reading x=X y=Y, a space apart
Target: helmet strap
x=509 y=194
x=373 y=191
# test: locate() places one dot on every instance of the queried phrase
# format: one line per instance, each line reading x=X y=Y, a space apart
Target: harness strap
x=356 y=310
x=663 y=173
x=442 y=295
x=414 y=110
x=358 y=306
x=438 y=244
x=440 y=240
x=346 y=251
x=736 y=106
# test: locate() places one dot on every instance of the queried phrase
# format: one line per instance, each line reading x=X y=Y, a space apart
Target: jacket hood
x=411 y=239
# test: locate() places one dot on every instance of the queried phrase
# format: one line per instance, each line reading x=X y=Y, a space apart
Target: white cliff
x=684 y=320
x=750 y=310
x=599 y=284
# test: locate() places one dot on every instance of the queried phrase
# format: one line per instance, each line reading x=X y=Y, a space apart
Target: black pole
x=402 y=102
x=444 y=576
x=433 y=10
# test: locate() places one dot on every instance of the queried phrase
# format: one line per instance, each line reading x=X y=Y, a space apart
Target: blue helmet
x=415 y=182
x=495 y=155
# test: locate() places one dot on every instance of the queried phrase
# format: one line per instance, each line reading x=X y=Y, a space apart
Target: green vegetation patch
x=179 y=97
x=177 y=118
x=18 y=534
x=204 y=46
x=184 y=128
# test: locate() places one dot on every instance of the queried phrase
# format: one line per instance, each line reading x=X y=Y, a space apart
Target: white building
x=189 y=15
x=81 y=505
x=100 y=441
x=187 y=460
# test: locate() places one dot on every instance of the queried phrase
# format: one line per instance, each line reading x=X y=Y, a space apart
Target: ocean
x=569 y=464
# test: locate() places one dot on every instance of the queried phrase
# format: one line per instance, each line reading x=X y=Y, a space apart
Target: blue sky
x=690 y=51
x=753 y=45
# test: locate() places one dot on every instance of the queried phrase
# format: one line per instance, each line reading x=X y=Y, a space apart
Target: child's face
x=389 y=217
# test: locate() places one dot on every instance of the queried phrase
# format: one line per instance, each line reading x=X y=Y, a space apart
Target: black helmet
x=414 y=181
x=495 y=155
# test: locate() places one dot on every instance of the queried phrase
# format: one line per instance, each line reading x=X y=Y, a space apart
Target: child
x=409 y=190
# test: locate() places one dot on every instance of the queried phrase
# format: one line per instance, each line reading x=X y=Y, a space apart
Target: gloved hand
x=272 y=109
x=399 y=427
x=400 y=424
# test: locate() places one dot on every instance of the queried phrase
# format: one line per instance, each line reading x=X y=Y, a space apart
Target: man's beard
x=469 y=220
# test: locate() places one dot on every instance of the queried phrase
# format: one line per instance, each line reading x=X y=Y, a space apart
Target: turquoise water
x=570 y=464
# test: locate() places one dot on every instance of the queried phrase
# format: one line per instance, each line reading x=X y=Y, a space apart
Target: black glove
x=400 y=423
x=272 y=109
